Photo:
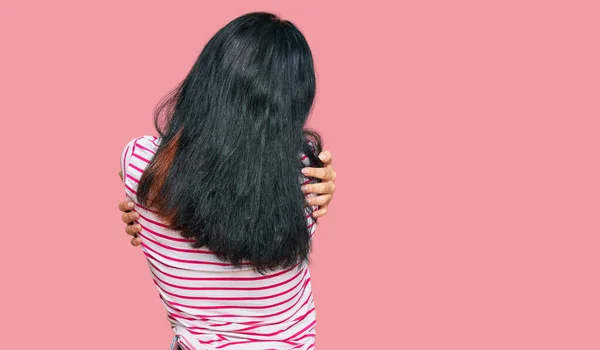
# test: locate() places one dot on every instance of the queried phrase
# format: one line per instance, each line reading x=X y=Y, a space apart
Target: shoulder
x=136 y=156
x=140 y=149
x=146 y=142
x=143 y=144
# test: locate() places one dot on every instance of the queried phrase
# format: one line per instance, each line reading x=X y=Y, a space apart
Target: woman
x=224 y=224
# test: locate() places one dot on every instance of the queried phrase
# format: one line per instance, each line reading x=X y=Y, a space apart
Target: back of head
x=227 y=171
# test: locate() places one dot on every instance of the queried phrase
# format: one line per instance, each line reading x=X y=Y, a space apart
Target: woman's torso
x=211 y=304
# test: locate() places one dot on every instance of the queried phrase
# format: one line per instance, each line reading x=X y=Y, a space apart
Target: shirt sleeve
x=126 y=155
x=311 y=222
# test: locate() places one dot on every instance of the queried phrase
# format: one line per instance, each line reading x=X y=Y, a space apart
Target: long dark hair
x=227 y=171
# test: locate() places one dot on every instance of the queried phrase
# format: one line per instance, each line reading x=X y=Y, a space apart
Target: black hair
x=227 y=172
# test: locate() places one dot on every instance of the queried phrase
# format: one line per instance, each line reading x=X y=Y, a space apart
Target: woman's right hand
x=128 y=217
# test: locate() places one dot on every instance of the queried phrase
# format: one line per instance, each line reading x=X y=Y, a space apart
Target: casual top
x=211 y=304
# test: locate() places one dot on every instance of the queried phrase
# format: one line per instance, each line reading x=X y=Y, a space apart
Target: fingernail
x=304 y=188
x=138 y=227
x=130 y=205
x=305 y=171
x=322 y=156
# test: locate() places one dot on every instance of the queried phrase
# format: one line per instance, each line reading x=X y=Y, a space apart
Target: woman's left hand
x=325 y=188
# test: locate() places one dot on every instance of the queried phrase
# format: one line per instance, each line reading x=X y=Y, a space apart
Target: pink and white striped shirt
x=209 y=303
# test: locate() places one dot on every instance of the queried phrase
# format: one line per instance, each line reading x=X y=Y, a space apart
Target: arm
x=129 y=216
x=324 y=191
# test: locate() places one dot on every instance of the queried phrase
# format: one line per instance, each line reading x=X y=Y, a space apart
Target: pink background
x=464 y=133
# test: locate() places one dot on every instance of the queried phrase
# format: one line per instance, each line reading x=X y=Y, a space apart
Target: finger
x=136 y=241
x=320 y=213
x=319 y=188
x=321 y=200
x=126 y=206
x=121 y=174
x=326 y=157
x=133 y=230
x=325 y=174
x=130 y=217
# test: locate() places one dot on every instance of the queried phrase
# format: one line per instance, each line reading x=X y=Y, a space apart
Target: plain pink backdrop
x=464 y=133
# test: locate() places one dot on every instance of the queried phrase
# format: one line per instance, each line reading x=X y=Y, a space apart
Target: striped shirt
x=209 y=303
